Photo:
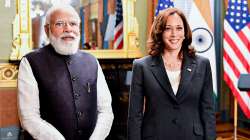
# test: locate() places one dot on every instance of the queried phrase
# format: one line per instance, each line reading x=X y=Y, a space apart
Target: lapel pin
x=188 y=69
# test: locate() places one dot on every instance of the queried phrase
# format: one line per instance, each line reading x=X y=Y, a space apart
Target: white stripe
x=118 y=27
x=196 y=20
x=212 y=10
x=118 y=41
x=244 y=95
x=120 y=38
x=234 y=79
x=234 y=57
x=246 y=31
x=229 y=71
x=185 y=6
x=240 y=45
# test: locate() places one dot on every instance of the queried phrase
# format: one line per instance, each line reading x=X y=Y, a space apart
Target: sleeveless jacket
x=67 y=91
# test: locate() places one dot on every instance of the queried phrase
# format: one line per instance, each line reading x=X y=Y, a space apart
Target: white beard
x=64 y=48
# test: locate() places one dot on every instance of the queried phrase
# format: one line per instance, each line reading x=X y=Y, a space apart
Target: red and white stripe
x=236 y=61
x=118 y=36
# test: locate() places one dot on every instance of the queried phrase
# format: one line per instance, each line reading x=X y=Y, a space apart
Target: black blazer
x=187 y=116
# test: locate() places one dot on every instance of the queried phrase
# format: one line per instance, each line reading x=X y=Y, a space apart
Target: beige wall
x=141 y=13
x=7 y=15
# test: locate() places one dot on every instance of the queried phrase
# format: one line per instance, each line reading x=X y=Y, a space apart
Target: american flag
x=163 y=4
x=236 y=56
x=118 y=33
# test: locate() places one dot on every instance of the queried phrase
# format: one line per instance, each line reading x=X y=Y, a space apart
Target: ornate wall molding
x=8 y=75
x=131 y=38
x=22 y=41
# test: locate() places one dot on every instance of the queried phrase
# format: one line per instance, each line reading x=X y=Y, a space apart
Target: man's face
x=63 y=32
x=64 y=22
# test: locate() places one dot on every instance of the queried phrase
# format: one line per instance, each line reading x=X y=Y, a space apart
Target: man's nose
x=67 y=28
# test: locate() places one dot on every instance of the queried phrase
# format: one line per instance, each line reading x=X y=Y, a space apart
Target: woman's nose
x=173 y=32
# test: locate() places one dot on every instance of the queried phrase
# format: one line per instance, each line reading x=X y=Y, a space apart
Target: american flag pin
x=188 y=69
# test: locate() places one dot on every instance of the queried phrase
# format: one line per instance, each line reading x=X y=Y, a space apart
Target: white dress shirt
x=29 y=107
x=174 y=79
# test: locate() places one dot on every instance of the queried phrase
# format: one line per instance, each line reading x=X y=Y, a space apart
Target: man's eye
x=59 y=24
x=73 y=24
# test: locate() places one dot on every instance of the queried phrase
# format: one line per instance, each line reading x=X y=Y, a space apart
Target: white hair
x=64 y=48
x=61 y=7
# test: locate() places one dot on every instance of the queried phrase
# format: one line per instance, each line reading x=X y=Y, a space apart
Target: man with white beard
x=62 y=92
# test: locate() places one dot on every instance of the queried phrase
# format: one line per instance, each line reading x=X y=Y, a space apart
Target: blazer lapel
x=187 y=72
x=159 y=72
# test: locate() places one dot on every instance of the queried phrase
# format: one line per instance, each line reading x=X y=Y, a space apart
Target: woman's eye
x=166 y=29
x=179 y=28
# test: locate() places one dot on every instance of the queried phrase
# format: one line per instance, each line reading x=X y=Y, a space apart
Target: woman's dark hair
x=155 y=41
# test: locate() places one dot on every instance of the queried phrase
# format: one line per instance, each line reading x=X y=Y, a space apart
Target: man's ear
x=46 y=29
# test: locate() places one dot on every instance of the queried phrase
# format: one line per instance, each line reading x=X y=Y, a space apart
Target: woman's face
x=173 y=34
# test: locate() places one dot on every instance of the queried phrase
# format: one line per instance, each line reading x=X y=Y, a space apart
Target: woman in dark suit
x=171 y=91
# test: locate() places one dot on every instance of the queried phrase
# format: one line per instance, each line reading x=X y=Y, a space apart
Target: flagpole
x=235 y=118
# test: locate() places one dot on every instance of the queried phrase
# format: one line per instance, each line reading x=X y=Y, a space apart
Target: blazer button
x=175 y=121
x=79 y=132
